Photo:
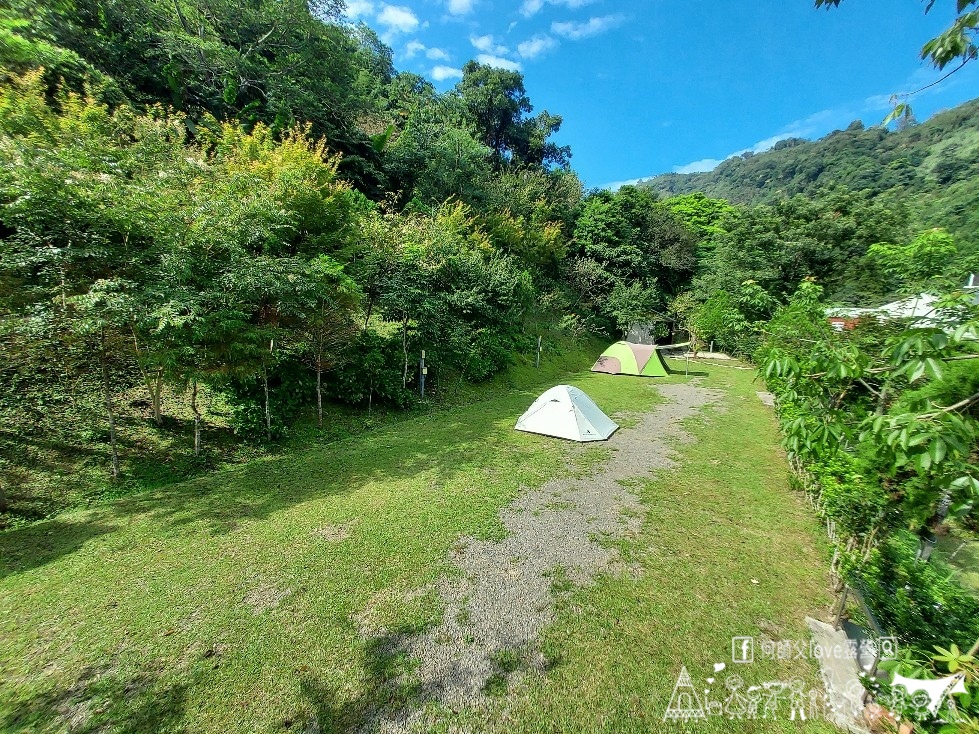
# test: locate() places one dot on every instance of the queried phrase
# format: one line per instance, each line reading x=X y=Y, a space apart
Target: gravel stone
x=498 y=606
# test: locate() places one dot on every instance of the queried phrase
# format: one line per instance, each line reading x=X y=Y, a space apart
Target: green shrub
x=850 y=496
x=718 y=320
x=372 y=371
x=291 y=390
x=917 y=602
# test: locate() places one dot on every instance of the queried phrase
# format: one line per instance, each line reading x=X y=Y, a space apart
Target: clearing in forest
x=447 y=571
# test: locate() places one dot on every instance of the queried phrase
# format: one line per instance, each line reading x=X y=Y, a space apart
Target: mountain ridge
x=933 y=167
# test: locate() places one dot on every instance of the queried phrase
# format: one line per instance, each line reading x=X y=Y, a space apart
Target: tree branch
x=873 y=392
x=971 y=400
x=881 y=370
x=934 y=83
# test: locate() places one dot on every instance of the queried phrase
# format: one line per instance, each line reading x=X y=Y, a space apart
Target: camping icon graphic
x=684 y=703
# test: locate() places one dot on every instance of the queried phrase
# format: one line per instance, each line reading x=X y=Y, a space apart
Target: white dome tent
x=567 y=412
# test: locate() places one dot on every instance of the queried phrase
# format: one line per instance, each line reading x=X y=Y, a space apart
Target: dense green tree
x=636 y=237
x=793 y=239
x=706 y=218
x=645 y=255
x=928 y=262
x=539 y=195
x=326 y=325
x=280 y=63
x=498 y=106
x=605 y=234
x=435 y=157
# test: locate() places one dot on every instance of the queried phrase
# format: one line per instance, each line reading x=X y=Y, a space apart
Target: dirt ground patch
x=265 y=596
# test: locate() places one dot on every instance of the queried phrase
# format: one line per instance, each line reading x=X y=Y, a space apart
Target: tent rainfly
x=567 y=412
x=625 y=358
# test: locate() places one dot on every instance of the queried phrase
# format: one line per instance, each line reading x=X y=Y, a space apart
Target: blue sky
x=652 y=86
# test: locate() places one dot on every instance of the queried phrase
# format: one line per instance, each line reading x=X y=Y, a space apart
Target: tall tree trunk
x=319 y=393
x=268 y=412
x=197 y=418
x=370 y=307
x=404 y=347
x=882 y=399
x=154 y=383
x=3 y=498
x=108 y=407
x=157 y=397
x=64 y=287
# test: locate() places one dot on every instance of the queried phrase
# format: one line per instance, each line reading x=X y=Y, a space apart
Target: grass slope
x=54 y=461
x=237 y=601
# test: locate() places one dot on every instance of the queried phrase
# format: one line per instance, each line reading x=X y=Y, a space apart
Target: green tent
x=624 y=358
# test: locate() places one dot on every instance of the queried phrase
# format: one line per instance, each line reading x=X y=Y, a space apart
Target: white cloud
x=709 y=164
x=532 y=7
x=359 y=8
x=500 y=63
x=702 y=166
x=415 y=47
x=816 y=124
x=616 y=185
x=460 y=7
x=397 y=19
x=441 y=73
x=487 y=44
x=592 y=27
x=534 y=47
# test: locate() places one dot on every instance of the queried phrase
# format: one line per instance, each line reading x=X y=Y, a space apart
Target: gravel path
x=496 y=609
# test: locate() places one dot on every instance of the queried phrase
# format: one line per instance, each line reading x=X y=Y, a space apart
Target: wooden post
x=422 y=371
x=108 y=406
x=839 y=612
x=537 y=363
x=197 y=417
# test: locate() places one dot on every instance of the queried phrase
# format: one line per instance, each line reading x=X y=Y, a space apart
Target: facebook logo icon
x=743 y=649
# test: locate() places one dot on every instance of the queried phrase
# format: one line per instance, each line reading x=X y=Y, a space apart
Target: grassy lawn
x=722 y=519
x=239 y=601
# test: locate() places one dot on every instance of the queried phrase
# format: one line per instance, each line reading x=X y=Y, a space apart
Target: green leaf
x=900 y=110
x=938 y=450
x=918 y=439
x=918 y=372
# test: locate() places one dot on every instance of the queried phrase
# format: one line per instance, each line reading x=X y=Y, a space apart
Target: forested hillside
x=219 y=222
x=932 y=168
